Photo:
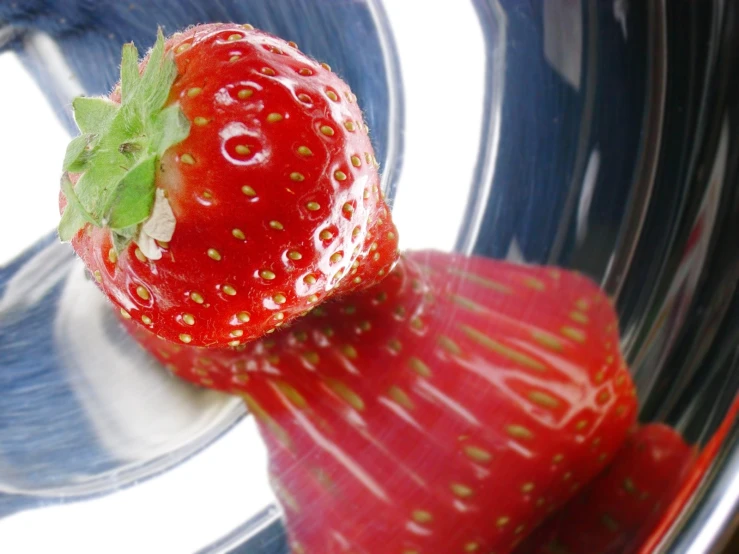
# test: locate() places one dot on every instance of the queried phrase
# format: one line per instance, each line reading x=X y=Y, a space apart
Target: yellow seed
x=326 y=66
x=582 y=424
x=349 y=351
x=391 y=235
x=350 y=126
x=534 y=283
x=340 y=176
x=112 y=256
x=188 y=318
x=332 y=95
x=182 y=47
x=502 y=521
x=311 y=358
x=543 y=399
x=422 y=516
x=295 y=176
x=336 y=257
x=238 y=233
x=449 y=345
x=305 y=71
x=304 y=151
x=478 y=454
x=326 y=235
x=567 y=476
x=268 y=71
x=244 y=93
x=582 y=304
x=326 y=130
x=139 y=255
x=545 y=339
x=419 y=367
x=235 y=36
x=579 y=317
x=243 y=317
x=194 y=91
x=228 y=289
x=187 y=159
x=142 y=292
x=520 y=529
x=304 y=98
x=309 y=279
x=234 y=343
x=125 y=314
x=237 y=333
x=200 y=121
x=242 y=149
x=574 y=334
x=557 y=458
x=276 y=225
x=527 y=487
x=279 y=316
x=357 y=280
x=519 y=432
x=294 y=255
x=348 y=208
x=279 y=298
x=292 y=44
x=355 y=232
x=462 y=491
x=248 y=27
x=346 y=394
x=213 y=254
x=184 y=337
x=267 y=274
x=293 y=396
x=247 y=190
x=274 y=117
x=146 y=320
x=399 y=396
x=395 y=345
x=499 y=348
x=98 y=276
x=312 y=299
x=196 y=297
x=313 y=206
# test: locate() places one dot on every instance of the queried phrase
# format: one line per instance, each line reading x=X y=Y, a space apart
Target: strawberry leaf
x=93 y=115
x=133 y=198
x=77 y=155
x=118 y=150
x=171 y=127
x=75 y=216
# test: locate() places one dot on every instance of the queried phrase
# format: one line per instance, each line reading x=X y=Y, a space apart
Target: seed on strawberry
x=215 y=177
x=435 y=412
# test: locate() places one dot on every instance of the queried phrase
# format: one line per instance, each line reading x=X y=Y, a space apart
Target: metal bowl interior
x=598 y=136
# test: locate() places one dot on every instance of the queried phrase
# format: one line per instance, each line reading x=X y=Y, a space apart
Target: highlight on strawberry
x=450 y=408
x=226 y=186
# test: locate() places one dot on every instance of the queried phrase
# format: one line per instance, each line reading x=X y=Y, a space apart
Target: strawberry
x=617 y=511
x=226 y=186
x=447 y=409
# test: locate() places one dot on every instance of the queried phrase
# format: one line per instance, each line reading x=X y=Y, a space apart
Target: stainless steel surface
x=600 y=136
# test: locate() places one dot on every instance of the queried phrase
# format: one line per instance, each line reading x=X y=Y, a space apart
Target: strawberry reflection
x=450 y=408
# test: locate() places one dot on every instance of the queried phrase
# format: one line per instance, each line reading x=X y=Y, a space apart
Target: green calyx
x=118 y=149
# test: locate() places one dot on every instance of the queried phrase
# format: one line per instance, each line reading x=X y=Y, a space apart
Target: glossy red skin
x=619 y=509
x=366 y=443
x=208 y=201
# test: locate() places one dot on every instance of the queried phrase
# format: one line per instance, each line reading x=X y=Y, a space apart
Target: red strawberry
x=692 y=481
x=438 y=412
x=616 y=512
x=233 y=188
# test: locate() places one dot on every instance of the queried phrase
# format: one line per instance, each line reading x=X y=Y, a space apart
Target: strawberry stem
x=117 y=152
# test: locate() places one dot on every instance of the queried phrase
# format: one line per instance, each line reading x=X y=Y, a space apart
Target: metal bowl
x=600 y=136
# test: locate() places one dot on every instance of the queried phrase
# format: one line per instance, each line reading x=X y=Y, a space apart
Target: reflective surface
x=550 y=138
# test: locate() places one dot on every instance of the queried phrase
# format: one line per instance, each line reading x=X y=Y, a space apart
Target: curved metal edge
x=484 y=174
x=396 y=101
x=646 y=172
x=706 y=526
